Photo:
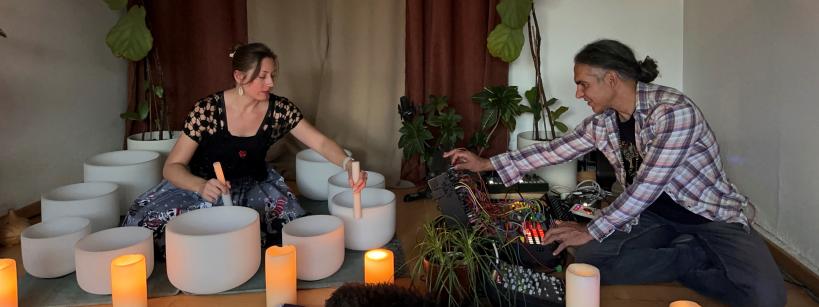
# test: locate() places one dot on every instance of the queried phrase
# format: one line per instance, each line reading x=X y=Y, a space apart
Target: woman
x=234 y=127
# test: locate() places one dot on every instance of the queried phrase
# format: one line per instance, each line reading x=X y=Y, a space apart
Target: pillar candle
x=378 y=266
x=582 y=285
x=129 y=287
x=684 y=304
x=8 y=283
x=280 y=275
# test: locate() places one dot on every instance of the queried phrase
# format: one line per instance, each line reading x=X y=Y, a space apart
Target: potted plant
x=454 y=262
x=500 y=106
x=506 y=42
x=131 y=39
x=430 y=133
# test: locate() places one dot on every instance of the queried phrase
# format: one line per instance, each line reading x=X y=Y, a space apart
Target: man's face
x=592 y=88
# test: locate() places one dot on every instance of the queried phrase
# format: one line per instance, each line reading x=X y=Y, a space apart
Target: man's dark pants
x=722 y=261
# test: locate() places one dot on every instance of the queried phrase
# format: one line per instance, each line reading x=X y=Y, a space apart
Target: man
x=679 y=217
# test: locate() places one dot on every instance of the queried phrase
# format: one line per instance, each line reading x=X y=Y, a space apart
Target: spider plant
x=454 y=260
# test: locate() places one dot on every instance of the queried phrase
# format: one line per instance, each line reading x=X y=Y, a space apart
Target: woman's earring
x=241 y=90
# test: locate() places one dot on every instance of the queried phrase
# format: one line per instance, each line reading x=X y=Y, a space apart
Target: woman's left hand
x=362 y=181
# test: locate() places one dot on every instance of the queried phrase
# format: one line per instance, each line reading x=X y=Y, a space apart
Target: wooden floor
x=410 y=216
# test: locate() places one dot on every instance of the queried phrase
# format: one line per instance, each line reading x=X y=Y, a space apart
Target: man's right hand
x=213 y=189
x=463 y=159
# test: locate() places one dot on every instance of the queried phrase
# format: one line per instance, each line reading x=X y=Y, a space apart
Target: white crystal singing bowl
x=96 y=201
x=338 y=183
x=213 y=249
x=376 y=226
x=48 y=247
x=136 y=171
x=319 y=242
x=312 y=171
x=93 y=255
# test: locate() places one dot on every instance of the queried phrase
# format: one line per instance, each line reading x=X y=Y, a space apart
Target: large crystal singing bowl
x=213 y=249
x=96 y=201
x=48 y=247
x=93 y=255
x=376 y=226
x=312 y=171
x=136 y=171
x=319 y=242
x=338 y=183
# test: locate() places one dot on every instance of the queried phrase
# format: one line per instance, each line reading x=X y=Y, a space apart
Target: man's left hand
x=568 y=234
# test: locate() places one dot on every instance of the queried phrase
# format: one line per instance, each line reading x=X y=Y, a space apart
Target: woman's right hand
x=212 y=189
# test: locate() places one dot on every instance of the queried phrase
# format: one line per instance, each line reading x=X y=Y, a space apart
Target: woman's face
x=259 y=88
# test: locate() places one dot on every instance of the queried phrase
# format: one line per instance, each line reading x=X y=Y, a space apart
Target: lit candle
x=378 y=266
x=582 y=285
x=128 y=285
x=8 y=283
x=280 y=275
x=684 y=304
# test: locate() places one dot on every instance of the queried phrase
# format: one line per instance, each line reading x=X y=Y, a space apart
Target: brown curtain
x=192 y=40
x=447 y=56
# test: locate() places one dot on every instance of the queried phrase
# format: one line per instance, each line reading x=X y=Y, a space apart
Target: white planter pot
x=48 y=248
x=136 y=171
x=564 y=175
x=153 y=143
x=312 y=172
x=213 y=249
x=338 y=183
x=93 y=255
x=376 y=226
x=96 y=201
x=319 y=242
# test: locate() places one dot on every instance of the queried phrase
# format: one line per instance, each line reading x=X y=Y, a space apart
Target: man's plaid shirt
x=680 y=156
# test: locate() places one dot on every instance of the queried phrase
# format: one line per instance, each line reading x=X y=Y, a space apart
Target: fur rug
x=381 y=295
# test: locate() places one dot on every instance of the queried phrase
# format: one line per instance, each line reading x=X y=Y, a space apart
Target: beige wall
x=342 y=63
x=650 y=27
x=61 y=92
x=752 y=67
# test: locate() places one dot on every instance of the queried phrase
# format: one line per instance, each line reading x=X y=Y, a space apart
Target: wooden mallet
x=220 y=175
x=356 y=167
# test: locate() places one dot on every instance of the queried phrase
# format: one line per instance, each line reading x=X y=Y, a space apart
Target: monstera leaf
x=130 y=37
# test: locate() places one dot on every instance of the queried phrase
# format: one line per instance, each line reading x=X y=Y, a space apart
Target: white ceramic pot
x=48 y=247
x=376 y=226
x=319 y=242
x=338 y=183
x=136 y=171
x=96 y=201
x=153 y=143
x=564 y=175
x=93 y=255
x=312 y=172
x=213 y=249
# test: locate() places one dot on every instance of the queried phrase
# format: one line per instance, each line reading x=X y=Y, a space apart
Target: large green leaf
x=129 y=116
x=505 y=43
x=130 y=37
x=414 y=137
x=514 y=13
x=561 y=126
x=450 y=131
x=116 y=5
x=535 y=107
x=557 y=113
x=143 y=108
